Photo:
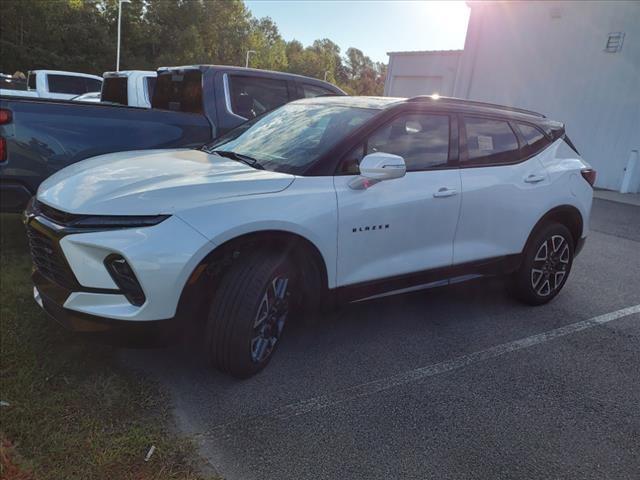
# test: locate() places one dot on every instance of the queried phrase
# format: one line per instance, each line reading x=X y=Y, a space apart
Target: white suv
x=326 y=198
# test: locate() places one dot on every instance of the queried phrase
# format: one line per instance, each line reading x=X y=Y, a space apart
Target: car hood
x=153 y=182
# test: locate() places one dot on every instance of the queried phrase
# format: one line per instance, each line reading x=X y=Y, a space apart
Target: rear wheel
x=248 y=313
x=545 y=268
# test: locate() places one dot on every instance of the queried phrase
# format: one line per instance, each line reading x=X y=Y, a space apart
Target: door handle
x=533 y=178
x=444 y=192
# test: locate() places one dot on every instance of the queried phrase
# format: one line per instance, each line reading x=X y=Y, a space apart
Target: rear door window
x=253 y=96
x=489 y=142
x=181 y=92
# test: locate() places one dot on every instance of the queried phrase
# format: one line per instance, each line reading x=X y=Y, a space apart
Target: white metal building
x=418 y=72
x=573 y=61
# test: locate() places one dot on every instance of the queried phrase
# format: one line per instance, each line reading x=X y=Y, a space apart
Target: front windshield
x=292 y=137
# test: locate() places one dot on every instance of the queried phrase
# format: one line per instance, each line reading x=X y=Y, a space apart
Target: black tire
x=234 y=344
x=545 y=267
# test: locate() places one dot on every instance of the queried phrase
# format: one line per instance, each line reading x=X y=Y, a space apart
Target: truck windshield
x=294 y=136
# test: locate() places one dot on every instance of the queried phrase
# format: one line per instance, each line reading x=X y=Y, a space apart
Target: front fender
x=308 y=208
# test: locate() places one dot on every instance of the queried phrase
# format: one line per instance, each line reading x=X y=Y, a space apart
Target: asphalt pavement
x=459 y=382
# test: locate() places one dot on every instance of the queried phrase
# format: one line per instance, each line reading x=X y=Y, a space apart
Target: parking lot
x=458 y=382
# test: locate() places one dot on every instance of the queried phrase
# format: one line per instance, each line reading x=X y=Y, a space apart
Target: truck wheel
x=545 y=266
x=248 y=313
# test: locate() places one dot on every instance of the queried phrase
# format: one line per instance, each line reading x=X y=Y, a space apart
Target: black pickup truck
x=191 y=106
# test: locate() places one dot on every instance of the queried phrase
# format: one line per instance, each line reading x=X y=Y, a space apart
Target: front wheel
x=545 y=267
x=248 y=313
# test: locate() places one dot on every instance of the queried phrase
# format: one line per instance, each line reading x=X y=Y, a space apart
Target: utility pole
x=246 y=63
x=120 y=2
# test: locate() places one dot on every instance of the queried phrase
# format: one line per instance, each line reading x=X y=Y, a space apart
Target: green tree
x=225 y=28
x=365 y=76
x=52 y=34
x=270 y=48
x=80 y=35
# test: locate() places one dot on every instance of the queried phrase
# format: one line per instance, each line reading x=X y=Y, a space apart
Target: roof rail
x=462 y=101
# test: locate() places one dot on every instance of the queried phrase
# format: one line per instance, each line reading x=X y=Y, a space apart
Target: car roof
x=69 y=74
x=378 y=103
x=458 y=105
x=437 y=100
x=240 y=70
x=130 y=73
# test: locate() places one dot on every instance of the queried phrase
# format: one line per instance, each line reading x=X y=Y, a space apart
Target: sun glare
x=447 y=20
x=453 y=12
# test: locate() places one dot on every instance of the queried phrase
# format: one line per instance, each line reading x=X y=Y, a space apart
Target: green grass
x=73 y=413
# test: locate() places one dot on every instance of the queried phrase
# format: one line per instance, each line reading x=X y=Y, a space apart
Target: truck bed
x=45 y=135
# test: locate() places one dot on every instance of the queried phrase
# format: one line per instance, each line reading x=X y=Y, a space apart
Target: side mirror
x=377 y=167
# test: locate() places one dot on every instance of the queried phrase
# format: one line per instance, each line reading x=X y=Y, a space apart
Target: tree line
x=80 y=35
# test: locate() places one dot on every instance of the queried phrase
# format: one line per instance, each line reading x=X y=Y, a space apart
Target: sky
x=375 y=27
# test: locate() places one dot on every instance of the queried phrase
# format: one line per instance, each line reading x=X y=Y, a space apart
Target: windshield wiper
x=252 y=162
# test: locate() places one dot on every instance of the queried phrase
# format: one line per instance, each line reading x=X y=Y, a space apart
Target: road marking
x=403 y=378
x=376 y=386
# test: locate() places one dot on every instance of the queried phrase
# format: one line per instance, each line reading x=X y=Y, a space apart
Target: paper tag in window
x=485 y=143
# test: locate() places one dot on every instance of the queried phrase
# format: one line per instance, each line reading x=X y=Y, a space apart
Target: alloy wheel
x=270 y=318
x=550 y=265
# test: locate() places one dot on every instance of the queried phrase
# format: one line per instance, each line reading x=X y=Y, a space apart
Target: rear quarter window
x=181 y=92
x=535 y=140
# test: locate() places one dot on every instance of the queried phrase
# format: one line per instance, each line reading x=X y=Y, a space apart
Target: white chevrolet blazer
x=328 y=198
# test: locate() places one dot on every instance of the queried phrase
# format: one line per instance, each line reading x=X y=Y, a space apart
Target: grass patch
x=73 y=413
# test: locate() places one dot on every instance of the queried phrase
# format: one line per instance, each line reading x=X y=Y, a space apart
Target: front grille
x=49 y=260
x=55 y=215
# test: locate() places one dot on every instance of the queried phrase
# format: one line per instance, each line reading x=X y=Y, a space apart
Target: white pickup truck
x=57 y=84
x=129 y=87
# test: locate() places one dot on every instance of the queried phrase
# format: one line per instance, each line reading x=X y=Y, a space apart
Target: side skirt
x=427 y=279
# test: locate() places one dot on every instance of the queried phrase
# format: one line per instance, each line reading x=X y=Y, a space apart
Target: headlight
x=109 y=221
x=94 y=221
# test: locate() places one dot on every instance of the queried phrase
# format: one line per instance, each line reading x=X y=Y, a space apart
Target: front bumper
x=51 y=298
x=73 y=285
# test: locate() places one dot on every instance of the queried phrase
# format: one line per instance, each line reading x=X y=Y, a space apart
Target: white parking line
x=369 y=388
